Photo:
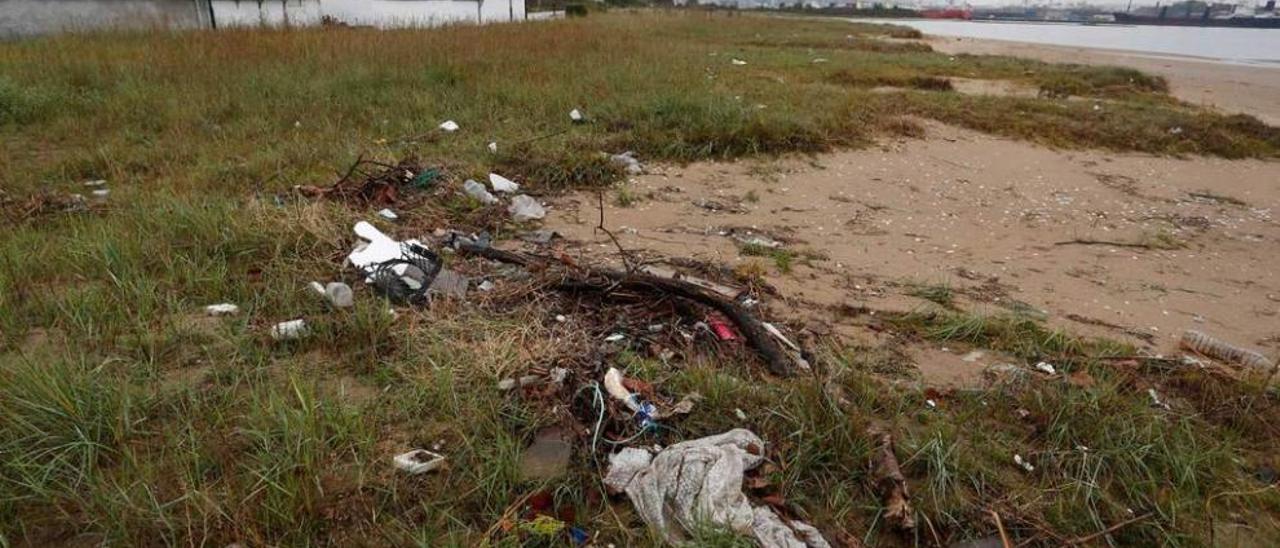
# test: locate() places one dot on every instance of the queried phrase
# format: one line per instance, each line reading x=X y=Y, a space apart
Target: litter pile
x=647 y=310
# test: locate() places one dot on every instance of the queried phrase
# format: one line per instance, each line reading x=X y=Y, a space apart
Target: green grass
x=940 y=294
x=130 y=418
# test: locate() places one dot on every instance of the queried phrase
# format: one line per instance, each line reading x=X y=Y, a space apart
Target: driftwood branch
x=608 y=280
x=1079 y=241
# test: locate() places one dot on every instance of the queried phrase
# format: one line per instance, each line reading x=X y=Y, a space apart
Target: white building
x=31 y=17
x=377 y=13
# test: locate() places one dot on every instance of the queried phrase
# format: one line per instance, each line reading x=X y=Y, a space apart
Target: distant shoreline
x=1230 y=87
x=1237 y=46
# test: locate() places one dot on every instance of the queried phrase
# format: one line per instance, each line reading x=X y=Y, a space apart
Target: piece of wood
x=608 y=280
x=891 y=483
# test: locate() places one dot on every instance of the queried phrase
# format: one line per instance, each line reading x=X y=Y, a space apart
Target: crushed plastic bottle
x=477 y=191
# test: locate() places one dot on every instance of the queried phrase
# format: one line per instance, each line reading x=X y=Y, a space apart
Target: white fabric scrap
x=700 y=481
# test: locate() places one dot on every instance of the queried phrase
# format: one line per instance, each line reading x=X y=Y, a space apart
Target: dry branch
x=608 y=281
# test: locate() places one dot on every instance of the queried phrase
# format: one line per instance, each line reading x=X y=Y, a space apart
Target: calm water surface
x=1242 y=46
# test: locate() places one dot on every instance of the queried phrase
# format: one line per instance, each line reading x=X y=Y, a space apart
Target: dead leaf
x=891 y=483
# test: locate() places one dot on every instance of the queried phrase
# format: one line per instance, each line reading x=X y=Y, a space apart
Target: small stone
x=339 y=295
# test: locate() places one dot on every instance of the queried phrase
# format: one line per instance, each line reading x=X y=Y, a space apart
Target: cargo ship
x=1263 y=19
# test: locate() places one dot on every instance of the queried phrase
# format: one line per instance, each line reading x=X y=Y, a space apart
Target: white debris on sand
x=523 y=208
x=223 y=309
x=419 y=461
x=1017 y=459
x=502 y=184
x=290 y=330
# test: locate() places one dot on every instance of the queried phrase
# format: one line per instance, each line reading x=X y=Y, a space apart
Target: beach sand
x=1233 y=88
x=1128 y=246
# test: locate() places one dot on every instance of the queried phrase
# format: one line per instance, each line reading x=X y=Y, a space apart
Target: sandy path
x=1251 y=90
x=982 y=215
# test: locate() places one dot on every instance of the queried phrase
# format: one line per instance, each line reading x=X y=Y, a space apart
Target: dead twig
x=1109 y=530
x=610 y=282
x=1004 y=535
x=351 y=170
x=626 y=259
x=1079 y=241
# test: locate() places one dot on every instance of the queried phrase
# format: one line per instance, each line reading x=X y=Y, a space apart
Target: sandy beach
x=1129 y=246
x=1233 y=88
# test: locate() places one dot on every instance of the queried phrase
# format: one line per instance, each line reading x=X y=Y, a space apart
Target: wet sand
x=1247 y=89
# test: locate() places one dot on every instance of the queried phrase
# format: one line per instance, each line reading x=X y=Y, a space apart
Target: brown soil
x=986 y=217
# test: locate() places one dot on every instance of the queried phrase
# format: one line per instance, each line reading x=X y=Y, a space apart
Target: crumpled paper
x=699 y=482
